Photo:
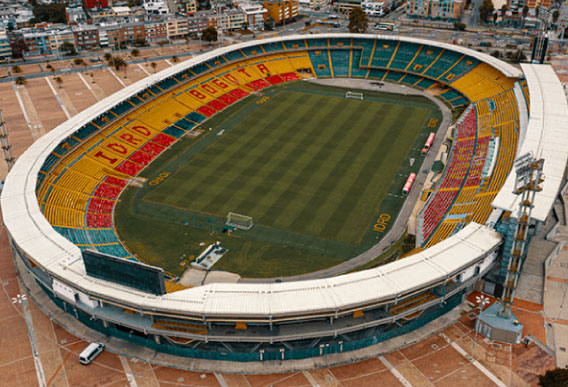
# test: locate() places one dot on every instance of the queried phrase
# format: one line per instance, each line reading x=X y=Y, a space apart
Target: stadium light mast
x=527 y=184
x=5 y=143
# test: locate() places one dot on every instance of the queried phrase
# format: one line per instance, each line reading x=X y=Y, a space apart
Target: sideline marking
x=117 y=77
x=57 y=98
x=23 y=108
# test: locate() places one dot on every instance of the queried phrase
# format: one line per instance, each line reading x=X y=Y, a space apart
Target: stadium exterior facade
x=277 y=321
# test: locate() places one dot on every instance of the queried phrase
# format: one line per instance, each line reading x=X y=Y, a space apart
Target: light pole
x=481 y=301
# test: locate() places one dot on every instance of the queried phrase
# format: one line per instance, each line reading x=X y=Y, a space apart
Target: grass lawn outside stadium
x=314 y=169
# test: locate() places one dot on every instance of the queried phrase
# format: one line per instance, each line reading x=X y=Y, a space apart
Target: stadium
x=60 y=202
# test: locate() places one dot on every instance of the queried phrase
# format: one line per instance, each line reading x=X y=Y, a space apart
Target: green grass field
x=311 y=167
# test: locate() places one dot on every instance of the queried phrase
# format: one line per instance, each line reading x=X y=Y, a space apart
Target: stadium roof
x=546 y=137
x=32 y=233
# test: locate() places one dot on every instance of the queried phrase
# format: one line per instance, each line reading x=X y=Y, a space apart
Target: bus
x=409 y=183
x=428 y=144
x=383 y=26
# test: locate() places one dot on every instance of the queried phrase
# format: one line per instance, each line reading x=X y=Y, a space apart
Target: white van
x=89 y=353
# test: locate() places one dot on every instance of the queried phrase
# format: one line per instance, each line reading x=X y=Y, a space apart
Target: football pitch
x=311 y=167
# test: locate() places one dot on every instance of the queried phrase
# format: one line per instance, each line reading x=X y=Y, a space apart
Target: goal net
x=352 y=94
x=239 y=221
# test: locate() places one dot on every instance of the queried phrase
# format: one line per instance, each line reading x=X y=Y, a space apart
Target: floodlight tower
x=5 y=143
x=527 y=184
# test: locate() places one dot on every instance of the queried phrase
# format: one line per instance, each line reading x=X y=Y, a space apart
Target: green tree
x=153 y=65
x=107 y=56
x=555 y=16
x=496 y=54
x=78 y=61
x=209 y=35
x=459 y=26
x=21 y=80
x=175 y=59
x=19 y=47
x=68 y=48
x=117 y=62
x=16 y=69
x=525 y=11
x=54 y=12
x=554 y=378
x=245 y=26
x=59 y=81
x=516 y=56
x=486 y=10
x=135 y=52
x=358 y=21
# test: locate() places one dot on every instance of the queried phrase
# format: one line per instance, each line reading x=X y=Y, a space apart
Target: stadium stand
x=83 y=175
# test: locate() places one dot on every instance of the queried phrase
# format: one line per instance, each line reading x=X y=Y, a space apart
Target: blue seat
x=340 y=62
x=394 y=76
x=425 y=58
x=450 y=94
x=404 y=55
x=183 y=76
x=121 y=108
x=200 y=68
x=252 y=51
x=367 y=49
x=320 y=62
x=340 y=42
x=425 y=83
x=459 y=101
x=273 y=47
x=78 y=236
x=443 y=64
x=217 y=61
x=49 y=162
x=317 y=43
x=185 y=124
x=294 y=44
x=167 y=83
x=85 y=131
x=358 y=69
x=234 y=55
x=116 y=250
x=65 y=146
x=384 y=51
x=410 y=79
x=104 y=119
x=376 y=73
x=155 y=90
x=102 y=235
x=195 y=117
x=174 y=132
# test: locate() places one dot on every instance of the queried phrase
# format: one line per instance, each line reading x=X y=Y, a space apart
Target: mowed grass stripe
x=376 y=192
x=284 y=132
x=331 y=136
x=330 y=195
x=192 y=182
x=369 y=184
x=272 y=174
x=355 y=136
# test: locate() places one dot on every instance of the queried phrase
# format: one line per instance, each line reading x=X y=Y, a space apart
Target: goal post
x=239 y=221
x=354 y=95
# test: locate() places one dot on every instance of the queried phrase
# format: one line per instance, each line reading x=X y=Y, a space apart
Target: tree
x=21 y=80
x=516 y=56
x=496 y=54
x=486 y=10
x=555 y=16
x=124 y=68
x=161 y=44
x=245 y=26
x=175 y=59
x=209 y=34
x=358 y=21
x=54 y=12
x=503 y=12
x=78 y=61
x=69 y=48
x=135 y=52
x=16 y=69
x=107 y=56
x=59 y=81
x=554 y=378
x=525 y=11
x=117 y=62
x=153 y=65
x=19 y=47
x=459 y=26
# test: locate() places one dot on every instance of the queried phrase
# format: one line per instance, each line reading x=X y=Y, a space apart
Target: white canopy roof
x=62 y=259
x=546 y=137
